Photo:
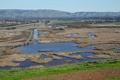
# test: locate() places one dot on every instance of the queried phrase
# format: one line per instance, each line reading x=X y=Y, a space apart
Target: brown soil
x=98 y=74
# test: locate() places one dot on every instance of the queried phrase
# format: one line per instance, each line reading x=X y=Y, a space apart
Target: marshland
x=62 y=43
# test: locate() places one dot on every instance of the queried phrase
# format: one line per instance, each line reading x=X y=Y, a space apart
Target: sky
x=63 y=5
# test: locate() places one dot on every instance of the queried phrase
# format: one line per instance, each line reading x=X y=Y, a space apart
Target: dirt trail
x=98 y=74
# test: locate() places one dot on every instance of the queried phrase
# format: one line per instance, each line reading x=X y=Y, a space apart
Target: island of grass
x=18 y=74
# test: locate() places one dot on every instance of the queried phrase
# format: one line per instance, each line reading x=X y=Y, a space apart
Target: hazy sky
x=64 y=5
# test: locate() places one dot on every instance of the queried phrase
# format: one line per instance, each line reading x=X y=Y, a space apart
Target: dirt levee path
x=98 y=74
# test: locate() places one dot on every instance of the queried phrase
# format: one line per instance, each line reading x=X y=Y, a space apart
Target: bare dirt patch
x=98 y=74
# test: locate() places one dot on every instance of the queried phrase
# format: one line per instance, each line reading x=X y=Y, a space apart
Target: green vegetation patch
x=112 y=79
x=63 y=21
x=115 y=23
x=18 y=74
x=6 y=25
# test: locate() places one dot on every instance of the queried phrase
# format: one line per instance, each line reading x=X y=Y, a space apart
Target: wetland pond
x=55 y=47
x=91 y=35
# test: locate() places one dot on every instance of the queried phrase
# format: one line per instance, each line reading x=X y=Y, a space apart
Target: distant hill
x=44 y=13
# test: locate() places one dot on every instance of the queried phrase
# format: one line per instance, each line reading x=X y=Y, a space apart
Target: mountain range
x=44 y=13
